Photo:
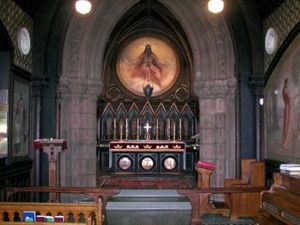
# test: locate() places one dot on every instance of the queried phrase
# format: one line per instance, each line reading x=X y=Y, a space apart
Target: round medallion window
x=148 y=60
x=170 y=163
x=147 y=163
x=125 y=163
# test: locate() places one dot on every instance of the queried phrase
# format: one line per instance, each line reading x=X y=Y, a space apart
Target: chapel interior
x=150 y=112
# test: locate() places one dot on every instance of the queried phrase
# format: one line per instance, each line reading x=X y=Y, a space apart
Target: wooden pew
x=76 y=214
x=99 y=195
x=252 y=176
x=281 y=204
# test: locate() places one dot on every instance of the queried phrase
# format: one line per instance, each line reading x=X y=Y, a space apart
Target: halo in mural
x=148 y=59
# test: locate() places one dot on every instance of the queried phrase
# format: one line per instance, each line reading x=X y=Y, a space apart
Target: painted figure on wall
x=20 y=125
x=148 y=66
x=287 y=113
x=148 y=60
x=282 y=111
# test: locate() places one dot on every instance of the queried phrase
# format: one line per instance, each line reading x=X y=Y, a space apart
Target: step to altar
x=151 y=199
x=151 y=206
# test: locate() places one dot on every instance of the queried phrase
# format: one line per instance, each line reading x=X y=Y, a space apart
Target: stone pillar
x=78 y=126
x=217 y=127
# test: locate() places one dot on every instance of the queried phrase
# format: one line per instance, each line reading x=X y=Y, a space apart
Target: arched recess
x=214 y=83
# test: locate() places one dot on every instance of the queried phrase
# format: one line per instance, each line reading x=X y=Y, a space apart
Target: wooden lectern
x=52 y=147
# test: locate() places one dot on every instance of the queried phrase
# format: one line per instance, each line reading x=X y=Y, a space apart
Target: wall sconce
x=83 y=6
x=215 y=6
x=261 y=101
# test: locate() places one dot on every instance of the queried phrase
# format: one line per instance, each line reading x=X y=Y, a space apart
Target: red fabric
x=205 y=165
x=39 y=143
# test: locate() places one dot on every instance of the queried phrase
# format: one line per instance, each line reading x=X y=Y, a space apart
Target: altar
x=147 y=157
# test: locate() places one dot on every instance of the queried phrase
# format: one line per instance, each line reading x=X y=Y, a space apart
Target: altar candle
x=115 y=128
x=137 y=125
x=121 y=131
x=126 y=128
x=168 y=128
x=156 y=128
x=179 y=128
x=174 y=130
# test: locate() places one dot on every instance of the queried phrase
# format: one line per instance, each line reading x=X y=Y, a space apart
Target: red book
x=205 y=165
x=59 y=219
x=40 y=218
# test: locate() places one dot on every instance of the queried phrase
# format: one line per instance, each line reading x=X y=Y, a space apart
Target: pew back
x=89 y=214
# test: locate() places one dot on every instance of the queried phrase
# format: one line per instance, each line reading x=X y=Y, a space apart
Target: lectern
x=52 y=147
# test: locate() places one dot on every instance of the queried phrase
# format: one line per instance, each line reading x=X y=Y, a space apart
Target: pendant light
x=215 y=6
x=83 y=6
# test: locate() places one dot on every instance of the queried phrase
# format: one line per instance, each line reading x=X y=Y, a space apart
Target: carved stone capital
x=215 y=88
x=80 y=87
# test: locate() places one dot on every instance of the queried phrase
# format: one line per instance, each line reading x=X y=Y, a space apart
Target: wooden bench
x=252 y=176
x=76 y=214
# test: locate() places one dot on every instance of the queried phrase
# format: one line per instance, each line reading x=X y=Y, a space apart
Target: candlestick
x=121 y=131
x=174 y=131
x=156 y=129
x=141 y=131
x=168 y=129
x=126 y=129
x=180 y=129
x=115 y=129
x=137 y=129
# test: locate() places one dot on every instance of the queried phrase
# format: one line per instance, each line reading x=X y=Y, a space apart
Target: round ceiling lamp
x=215 y=6
x=83 y=6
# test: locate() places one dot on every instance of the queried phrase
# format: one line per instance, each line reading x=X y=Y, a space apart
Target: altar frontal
x=147 y=157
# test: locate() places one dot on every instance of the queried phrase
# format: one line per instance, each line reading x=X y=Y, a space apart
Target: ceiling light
x=83 y=6
x=215 y=6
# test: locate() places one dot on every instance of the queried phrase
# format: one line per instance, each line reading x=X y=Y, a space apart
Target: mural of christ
x=148 y=65
x=148 y=60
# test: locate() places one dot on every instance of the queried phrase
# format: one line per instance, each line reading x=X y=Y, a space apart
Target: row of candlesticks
x=147 y=128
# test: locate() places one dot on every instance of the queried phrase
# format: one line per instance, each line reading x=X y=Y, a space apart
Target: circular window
x=148 y=60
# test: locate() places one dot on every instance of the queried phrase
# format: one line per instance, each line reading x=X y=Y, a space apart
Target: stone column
x=78 y=127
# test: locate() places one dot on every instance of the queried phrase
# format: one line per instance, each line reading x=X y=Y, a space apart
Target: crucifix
x=147 y=127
